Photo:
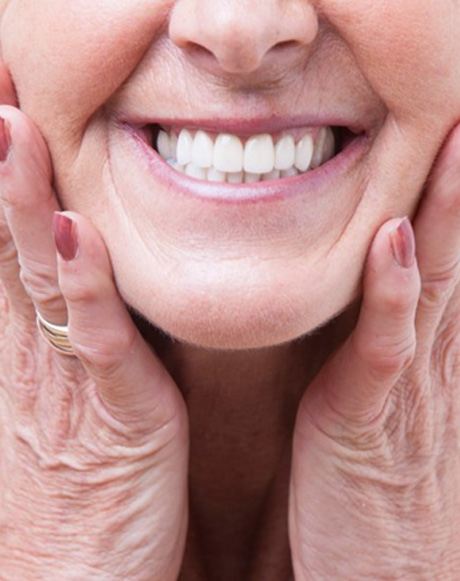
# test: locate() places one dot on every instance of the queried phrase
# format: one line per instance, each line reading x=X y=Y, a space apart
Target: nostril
x=198 y=49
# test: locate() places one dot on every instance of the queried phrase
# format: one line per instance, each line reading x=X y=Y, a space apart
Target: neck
x=242 y=407
x=217 y=381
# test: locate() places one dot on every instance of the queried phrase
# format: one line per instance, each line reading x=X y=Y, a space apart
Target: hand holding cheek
x=81 y=432
x=377 y=431
x=130 y=378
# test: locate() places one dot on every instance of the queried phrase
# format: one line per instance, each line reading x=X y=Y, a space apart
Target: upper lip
x=250 y=126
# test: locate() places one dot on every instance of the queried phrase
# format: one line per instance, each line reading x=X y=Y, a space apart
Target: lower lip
x=311 y=182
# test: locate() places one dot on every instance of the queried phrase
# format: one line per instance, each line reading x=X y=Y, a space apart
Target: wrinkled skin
x=376 y=432
x=375 y=455
x=93 y=469
x=99 y=62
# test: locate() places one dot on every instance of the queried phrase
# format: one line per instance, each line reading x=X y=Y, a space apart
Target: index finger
x=437 y=234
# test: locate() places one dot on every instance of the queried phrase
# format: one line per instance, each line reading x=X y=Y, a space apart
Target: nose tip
x=240 y=35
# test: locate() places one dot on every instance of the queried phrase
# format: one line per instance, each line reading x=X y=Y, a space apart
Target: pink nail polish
x=5 y=139
x=403 y=244
x=65 y=236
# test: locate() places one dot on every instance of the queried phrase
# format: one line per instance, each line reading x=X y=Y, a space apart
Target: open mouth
x=237 y=159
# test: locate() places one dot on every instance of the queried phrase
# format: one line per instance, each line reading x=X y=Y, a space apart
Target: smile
x=242 y=166
x=233 y=159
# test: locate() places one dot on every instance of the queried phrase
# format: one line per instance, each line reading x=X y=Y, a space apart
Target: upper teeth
x=225 y=157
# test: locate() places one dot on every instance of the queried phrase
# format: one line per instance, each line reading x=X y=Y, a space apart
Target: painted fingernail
x=65 y=236
x=5 y=139
x=403 y=243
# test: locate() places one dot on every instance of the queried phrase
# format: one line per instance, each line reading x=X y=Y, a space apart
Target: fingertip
x=27 y=142
x=81 y=240
x=392 y=280
x=393 y=249
x=65 y=231
x=402 y=242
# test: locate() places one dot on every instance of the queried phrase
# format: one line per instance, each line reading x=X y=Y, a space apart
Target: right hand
x=94 y=448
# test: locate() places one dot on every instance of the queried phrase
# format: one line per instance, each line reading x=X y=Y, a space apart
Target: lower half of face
x=218 y=264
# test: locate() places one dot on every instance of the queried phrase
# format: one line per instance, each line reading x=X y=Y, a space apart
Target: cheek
x=407 y=50
x=66 y=63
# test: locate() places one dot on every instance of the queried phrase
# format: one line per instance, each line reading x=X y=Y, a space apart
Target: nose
x=240 y=36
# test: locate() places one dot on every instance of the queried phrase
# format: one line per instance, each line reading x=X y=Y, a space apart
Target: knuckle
x=41 y=284
x=8 y=195
x=387 y=357
x=5 y=234
x=21 y=193
x=77 y=292
x=389 y=365
x=446 y=352
x=437 y=287
x=106 y=354
x=8 y=252
x=400 y=301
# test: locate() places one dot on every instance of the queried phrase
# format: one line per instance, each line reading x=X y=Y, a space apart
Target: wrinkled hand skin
x=80 y=497
x=93 y=448
x=375 y=486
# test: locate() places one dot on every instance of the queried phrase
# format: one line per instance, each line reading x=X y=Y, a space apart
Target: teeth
x=228 y=153
x=251 y=178
x=164 y=145
x=273 y=175
x=195 y=171
x=184 y=147
x=285 y=153
x=202 y=150
x=173 y=163
x=235 y=178
x=214 y=175
x=259 y=154
x=304 y=153
x=173 y=145
x=289 y=173
x=329 y=146
x=226 y=158
x=319 y=148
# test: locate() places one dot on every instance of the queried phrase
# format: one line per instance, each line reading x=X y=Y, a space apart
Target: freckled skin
x=74 y=69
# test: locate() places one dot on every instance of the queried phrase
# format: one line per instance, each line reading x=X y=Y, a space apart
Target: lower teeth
x=213 y=175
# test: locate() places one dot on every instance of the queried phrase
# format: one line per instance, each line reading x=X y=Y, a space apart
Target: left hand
x=375 y=483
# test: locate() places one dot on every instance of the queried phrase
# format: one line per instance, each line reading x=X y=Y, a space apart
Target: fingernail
x=5 y=139
x=65 y=236
x=403 y=243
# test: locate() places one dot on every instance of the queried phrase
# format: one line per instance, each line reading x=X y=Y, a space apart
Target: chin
x=223 y=316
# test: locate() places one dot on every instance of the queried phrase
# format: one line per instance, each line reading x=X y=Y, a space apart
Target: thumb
x=357 y=380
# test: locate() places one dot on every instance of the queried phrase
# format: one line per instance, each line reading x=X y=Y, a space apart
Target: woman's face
x=212 y=272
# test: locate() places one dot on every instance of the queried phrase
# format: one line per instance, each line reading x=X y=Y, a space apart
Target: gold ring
x=56 y=335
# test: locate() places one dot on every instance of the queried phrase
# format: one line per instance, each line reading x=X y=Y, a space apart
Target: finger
x=7 y=91
x=437 y=233
x=131 y=381
x=9 y=268
x=356 y=382
x=17 y=299
x=29 y=202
